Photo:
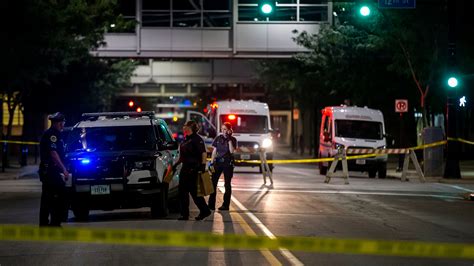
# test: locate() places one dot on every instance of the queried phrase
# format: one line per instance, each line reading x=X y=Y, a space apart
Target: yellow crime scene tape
x=461 y=140
x=20 y=142
x=419 y=147
x=233 y=241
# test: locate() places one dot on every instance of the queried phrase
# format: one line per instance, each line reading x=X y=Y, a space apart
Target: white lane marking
x=349 y=192
x=456 y=187
x=217 y=256
x=286 y=253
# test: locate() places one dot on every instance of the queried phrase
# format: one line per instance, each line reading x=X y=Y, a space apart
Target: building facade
x=193 y=48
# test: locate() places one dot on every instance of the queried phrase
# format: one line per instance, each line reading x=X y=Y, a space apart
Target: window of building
x=187 y=5
x=313 y=13
x=156 y=18
x=284 y=11
x=187 y=13
x=126 y=17
x=187 y=19
x=155 y=5
x=217 y=5
x=17 y=119
x=217 y=19
x=127 y=8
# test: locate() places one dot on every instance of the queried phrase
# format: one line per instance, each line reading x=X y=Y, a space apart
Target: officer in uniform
x=193 y=157
x=53 y=173
x=223 y=162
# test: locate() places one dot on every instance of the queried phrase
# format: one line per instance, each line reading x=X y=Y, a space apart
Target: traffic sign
x=397 y=3
x=401 y=105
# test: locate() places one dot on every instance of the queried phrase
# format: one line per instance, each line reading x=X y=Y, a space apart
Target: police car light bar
x=88 y=116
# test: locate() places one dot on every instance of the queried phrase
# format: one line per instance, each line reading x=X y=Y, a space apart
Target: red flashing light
x=175 y=135
x=131 y=103
x=139 y=109
x=205 y=110
x=231 y=117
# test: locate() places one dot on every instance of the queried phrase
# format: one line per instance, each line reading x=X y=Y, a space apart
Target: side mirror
x=172 y=145
x=168 y=146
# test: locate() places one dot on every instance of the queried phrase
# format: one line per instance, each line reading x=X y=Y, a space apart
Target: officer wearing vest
x=53 y=173
x=192 y=154
x=223 y=162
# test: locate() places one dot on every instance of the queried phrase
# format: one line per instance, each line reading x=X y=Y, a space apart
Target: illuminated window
x=17 y=116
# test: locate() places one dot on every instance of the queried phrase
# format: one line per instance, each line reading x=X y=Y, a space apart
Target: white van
x=354 y=127
x=250 y=121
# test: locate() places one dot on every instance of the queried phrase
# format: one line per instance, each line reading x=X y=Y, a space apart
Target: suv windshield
x=358 y=129
x=111 y=138
x=247 y=123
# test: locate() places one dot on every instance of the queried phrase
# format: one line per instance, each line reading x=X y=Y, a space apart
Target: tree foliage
x=372 y=61
x=47 y=56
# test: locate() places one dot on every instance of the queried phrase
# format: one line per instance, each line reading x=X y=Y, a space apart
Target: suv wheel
x=372 y=173
x=81 y=212
x=159 y=205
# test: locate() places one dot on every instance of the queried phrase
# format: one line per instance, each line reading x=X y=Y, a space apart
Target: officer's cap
x=57 y=117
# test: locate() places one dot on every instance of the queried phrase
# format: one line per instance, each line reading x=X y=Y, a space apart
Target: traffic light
x=462 y=101
x=364 y=11
x=453 y=82
x=266 y=7
x=139 y=109
x=131 y=103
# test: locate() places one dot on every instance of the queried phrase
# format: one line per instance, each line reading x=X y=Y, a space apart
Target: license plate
x=360 y=161
x=100 y=190
x=245 y=156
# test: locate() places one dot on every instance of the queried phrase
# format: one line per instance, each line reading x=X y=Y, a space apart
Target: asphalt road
x=298 y=204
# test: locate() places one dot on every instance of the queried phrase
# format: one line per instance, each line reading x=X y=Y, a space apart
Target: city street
x=298 y=204
x=125 y=103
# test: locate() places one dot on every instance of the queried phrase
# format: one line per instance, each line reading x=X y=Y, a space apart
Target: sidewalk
x=467 y=167
x=27 y=172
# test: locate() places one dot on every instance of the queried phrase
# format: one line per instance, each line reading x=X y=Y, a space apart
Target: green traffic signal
x=364 y=11
x=266 y=8
x=453 y=82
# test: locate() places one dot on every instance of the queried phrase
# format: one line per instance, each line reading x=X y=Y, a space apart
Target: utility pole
x=452 y=169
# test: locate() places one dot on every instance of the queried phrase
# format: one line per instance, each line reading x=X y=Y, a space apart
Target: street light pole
x=452 y=169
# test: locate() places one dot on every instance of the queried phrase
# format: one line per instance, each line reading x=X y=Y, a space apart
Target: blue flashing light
x=85 y=161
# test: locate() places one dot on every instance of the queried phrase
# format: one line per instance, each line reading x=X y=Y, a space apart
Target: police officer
x=53 y=173
x=223 y=161
x=193 y=156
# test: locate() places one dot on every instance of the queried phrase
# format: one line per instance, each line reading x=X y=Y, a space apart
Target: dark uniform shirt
x=51 y=141
x=191 y=150
x=221 y=143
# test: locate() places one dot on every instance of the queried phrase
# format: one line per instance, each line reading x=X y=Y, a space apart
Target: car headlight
x=255 y=146
x=382 y=147
x=267 y=143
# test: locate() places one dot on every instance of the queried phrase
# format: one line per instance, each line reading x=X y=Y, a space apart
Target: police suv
x=118 y=160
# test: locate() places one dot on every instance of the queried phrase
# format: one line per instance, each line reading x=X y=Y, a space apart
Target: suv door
x=169 y=149
x=206 y=129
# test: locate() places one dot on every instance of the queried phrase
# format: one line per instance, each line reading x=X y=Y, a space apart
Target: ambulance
x=250 y=122
x=345 y=127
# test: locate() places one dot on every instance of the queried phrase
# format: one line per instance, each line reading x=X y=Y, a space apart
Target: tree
x=389 y=53
x=45 y=38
